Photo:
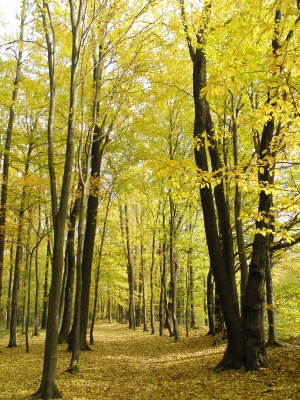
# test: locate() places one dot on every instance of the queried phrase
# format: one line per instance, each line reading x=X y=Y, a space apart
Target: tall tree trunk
x=165 y=302
x=254 y=301
x=99 y=265
x=192 y=296
x=70 y=259
x=152 y=310
x=10 y=125
x=46 y=293
x=253 y=306
x=8 y=308
x=174 y=270
x=37 y=281
x=144 y=303
x=162 y=312
x=19 y=252
x=237 y=207
x=100 y=141
x=130 y=272
x=221 y=260
x=28 y=304
x=48 y=388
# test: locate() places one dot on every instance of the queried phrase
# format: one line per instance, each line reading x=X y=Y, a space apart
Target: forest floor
x=127 y=365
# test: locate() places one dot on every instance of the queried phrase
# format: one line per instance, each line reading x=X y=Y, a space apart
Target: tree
x=221 y=261
x=48 y=387
x=10 y=126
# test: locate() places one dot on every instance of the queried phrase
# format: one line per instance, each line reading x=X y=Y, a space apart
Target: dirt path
x=135 y=365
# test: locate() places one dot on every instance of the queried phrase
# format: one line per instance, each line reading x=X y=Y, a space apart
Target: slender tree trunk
x=46 y=293
x=162 y=312
x=174 y=270
x=95 y=304
x=28 y=304
x=10 y=125
x=37 y=281
x=192 y=295
x=70 y=260
x=48 y=388
x=144 y=303
x=98 y=267
x=210 y=303
x=237 y=207
x=8 y=308
x=152 y=310
x=130 y=271
x=63 y=293
x=19 y=252
x=272 y=338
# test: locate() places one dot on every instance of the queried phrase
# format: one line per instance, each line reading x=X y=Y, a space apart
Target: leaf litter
x=126 y=364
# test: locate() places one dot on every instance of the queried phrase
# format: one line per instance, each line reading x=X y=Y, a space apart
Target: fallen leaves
x=135 y=365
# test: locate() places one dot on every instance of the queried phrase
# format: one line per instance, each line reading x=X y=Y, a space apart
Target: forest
x=149 y=163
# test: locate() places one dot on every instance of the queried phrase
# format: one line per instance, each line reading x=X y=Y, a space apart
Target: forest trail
x=127 y=365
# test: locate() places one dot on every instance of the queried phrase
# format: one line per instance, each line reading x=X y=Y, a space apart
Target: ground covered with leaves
x=136 y=365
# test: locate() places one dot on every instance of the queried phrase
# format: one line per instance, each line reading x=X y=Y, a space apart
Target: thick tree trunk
x=221 y=260
x=254 y=301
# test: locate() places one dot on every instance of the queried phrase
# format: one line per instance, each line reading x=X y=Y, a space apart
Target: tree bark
x=220 y=260
x=10 y=125
x=70 y=255
x=48 y=388
x=210 y=303
x=19 y=252
x=100 y=141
